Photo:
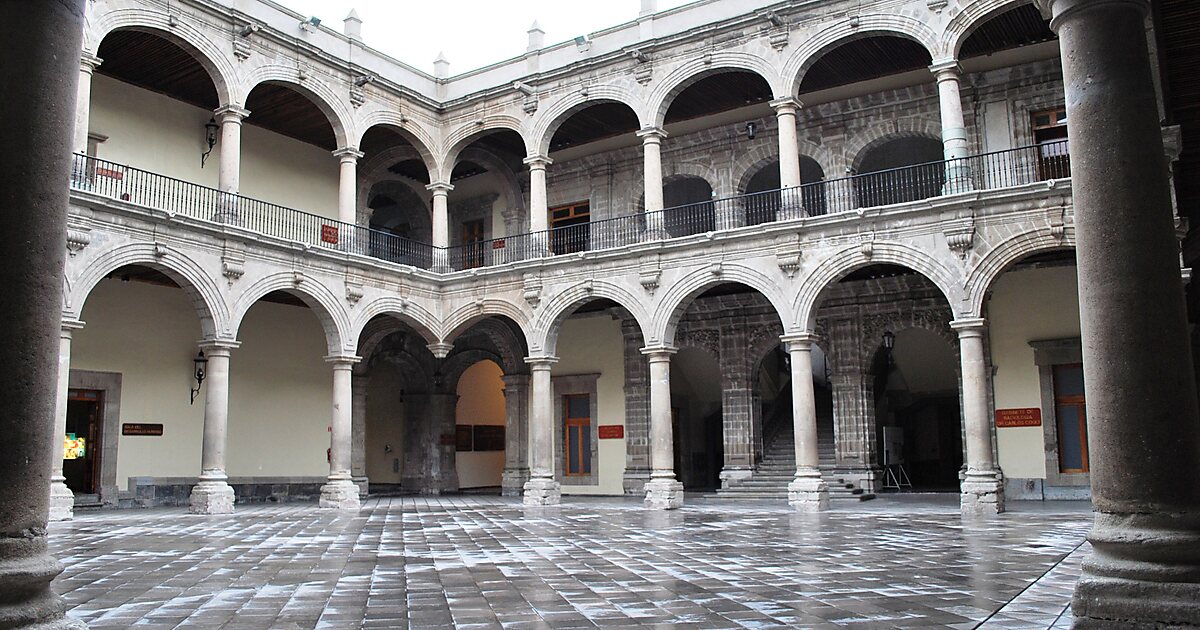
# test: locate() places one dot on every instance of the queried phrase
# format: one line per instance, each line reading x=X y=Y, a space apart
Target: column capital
x=802 y=341
x=231 y=113
x=540 y=363
x=348 y=154
x=969 y=326
x=944 y=69
x=1064 y=9
x=69 y=325
x=440 y=188
x=537 y=161
x=88 y=62
x=786 y=105
x=651 y=134
x=344 y=361
x=659 y=353
x=218 y=347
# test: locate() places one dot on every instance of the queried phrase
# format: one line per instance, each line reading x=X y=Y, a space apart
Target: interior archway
x=900 y=170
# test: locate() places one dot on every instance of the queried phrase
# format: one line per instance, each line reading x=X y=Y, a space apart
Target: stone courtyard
x=487 y=562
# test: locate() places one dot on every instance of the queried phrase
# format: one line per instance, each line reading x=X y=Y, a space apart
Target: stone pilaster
x=854 y=420
x=637 y=411
x=62 y=500
x=359 y=382
x=1143 y=422
x=663 y=491
x=516 y=434
x=212 y=494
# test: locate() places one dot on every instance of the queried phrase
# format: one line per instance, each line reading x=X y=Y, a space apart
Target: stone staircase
x=778 y=466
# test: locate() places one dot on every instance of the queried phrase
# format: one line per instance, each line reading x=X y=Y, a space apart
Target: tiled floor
x=483 y=562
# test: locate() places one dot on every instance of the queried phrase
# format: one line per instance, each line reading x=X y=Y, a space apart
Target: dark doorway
x=84 y=422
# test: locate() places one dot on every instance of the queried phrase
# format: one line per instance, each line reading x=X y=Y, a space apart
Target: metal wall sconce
x=210 y=138
x=889 y=343
x=200 y=363
x=751 y=130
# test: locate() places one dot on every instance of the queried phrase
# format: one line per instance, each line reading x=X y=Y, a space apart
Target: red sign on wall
x=612 y=432
x=329 y=234
x=1009 y=418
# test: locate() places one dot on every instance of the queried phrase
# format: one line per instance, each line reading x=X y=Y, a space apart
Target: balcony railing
x=1000 y=169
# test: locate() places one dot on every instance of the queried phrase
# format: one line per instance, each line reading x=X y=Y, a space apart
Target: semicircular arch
x=325 y=305
x=461 y=137
x=693 y=70
x=412 y=314
x=318 y=92
x=555 y=114
x=679 y=296
x=852 y=28
x=971 y=16
x=1002 y=257
x=543 y=339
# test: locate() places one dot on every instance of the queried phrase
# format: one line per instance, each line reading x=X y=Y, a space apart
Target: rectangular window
x=570 y=227
x=1070 y=416
x=1050 y=135
x=577 y=441
x=472 y=242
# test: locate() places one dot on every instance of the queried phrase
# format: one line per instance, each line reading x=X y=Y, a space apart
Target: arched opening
x=132 y=362
x=917 y=408
x=486 y=203
x=480 y=422
x=1032 y=309
x=286 y=144
x=764 y=198
x=1018 y=27
x=863 y=60
x=900 y=170
x=715 y=92
x=696 y=419
x=688 y=206
x=396 y=209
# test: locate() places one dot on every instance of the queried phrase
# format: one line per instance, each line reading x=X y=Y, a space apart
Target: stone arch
x=511 y=189
x=416 y=136
x=462 y=137
x=877 y=135
x=543 y=337
x=1003 y=256
x=507 y=339
x=183 y=33
x=324 y=304
x=364 y=200
x=458 y=363
x=202 y=289
x=675 y=300
x=970 y=17
x=544 y=127
x=315 y=90
x=851 y=28
x=698 y=68
x=895 y=321
x=747 y=165
x=464 y=318
x=413 y=314
x=852 y=257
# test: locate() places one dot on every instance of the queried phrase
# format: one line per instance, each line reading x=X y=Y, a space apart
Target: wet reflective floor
x=487 y=562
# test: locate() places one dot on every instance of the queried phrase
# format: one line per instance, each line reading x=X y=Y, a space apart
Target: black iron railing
x=1000 y=169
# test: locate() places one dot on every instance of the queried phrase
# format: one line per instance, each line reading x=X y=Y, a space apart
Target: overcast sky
x=471 y=33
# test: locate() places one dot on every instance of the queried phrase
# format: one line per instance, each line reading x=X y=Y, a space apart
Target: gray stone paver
x=487 y=562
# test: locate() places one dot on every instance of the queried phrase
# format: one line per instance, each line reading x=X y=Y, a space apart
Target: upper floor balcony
x=879 y=189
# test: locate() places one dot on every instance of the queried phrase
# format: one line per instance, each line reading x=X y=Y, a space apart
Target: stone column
x=807 y=492
x=1143 y=426
x=516 y=434
x=358 y=412
x=983 y=485
x=229 y=178
x=542 y=488
x=62 y=500
x=539 y=210
x=854 y=428
x=663 y=491
x=212 y=495
x=443 y=448
x=348 y=158
x=339 y=492
x=441 y=225
x=40 y=43
x=954 y=129
x=83 y=103
x=637 y=411
x=791 y=206
x=652 y=138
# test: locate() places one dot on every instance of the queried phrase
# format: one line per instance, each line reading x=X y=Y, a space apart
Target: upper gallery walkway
x=905 y=186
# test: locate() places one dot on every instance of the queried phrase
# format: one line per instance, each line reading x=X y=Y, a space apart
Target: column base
x=734 y=473
x=808 y=492
x=211 y=497
x=62 y=501
x=364 y=486
x=1143 y=572
x=339 y=494
x=982 y=493
x=634 y=481
x=512 y=481
x=542 y=491
x=663 y=493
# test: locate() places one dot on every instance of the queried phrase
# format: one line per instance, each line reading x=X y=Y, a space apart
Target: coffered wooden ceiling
x=1022 y=26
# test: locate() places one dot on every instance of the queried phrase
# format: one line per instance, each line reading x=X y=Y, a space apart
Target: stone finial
x=441 y=67
x=649 y=7
x=537 y=37
x=352 y=26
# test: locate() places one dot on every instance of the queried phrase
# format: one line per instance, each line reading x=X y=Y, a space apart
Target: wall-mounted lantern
x=210 y=139
x=200 y=363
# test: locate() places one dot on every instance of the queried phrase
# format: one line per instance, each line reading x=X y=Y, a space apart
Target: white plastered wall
x=591 y=345
x=159 y=134
x=1027 y=305
x=480 y=402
